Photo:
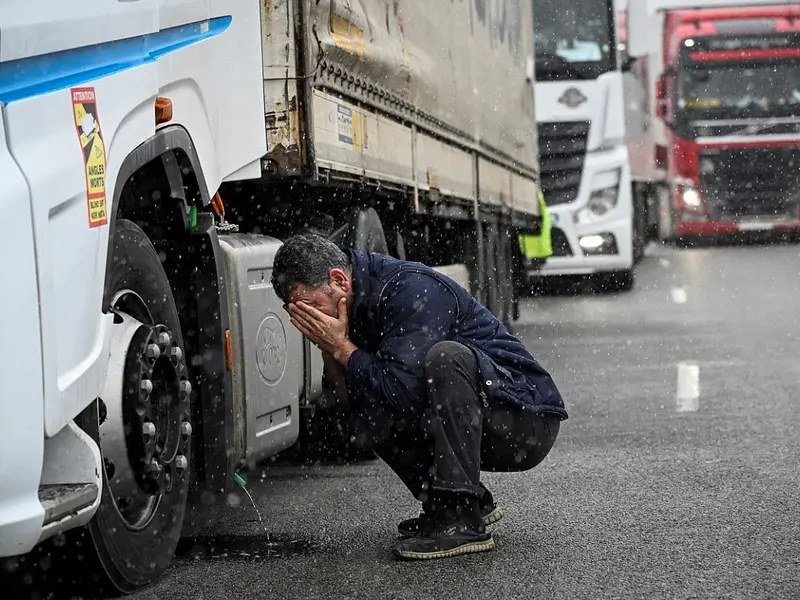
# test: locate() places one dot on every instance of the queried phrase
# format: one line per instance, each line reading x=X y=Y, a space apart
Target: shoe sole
x=494 y=516
x=470 y=548
x=490 y=519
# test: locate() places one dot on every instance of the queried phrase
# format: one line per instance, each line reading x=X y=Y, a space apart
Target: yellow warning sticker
x=87 y=123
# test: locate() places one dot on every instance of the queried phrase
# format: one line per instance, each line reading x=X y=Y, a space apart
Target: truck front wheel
x=142 y=421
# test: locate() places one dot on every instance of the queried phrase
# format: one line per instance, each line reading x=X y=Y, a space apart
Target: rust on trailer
x=283 y=139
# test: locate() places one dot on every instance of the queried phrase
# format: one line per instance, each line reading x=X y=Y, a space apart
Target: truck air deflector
x=29 y=77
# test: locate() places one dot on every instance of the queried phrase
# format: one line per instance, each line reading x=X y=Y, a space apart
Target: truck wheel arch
x=206 y=321
x=164 y=142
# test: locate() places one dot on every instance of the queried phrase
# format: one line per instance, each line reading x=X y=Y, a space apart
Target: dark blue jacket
x=401 y=309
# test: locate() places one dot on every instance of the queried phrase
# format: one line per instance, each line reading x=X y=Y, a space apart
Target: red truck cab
x=729 y=97
x=713 y=114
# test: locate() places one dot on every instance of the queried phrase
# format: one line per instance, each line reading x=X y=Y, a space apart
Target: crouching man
x=435 y=384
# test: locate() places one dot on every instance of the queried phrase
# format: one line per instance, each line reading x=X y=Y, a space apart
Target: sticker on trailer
x=344 y=124
x=93 y=149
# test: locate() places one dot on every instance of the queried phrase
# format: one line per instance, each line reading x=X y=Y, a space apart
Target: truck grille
x=562 y=150
x=751 y=182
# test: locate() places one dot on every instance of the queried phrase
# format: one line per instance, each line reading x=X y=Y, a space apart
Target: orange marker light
x=163 y=110
x=228 y=351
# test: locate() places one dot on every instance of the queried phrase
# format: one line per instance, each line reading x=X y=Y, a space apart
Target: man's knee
x=444 y=356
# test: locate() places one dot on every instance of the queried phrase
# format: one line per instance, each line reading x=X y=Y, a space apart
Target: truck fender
x=214 y=411
x=161 y=144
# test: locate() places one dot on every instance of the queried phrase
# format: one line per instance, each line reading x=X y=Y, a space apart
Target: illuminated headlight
x=598 y=244
x=691 y=199
x=688 y=196
x=591 y=242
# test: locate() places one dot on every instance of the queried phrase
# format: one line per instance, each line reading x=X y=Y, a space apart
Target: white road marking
x=687 y=396
x=679 y=295
x=664 y=262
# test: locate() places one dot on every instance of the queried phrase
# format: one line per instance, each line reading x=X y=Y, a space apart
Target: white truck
x=153 y=155
x=597 y=227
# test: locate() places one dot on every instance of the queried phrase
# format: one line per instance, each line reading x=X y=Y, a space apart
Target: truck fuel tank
x=267 y=350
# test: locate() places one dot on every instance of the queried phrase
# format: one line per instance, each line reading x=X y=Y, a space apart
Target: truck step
x=62 y=499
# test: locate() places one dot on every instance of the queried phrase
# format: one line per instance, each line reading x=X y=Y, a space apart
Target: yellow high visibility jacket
x=538 y=246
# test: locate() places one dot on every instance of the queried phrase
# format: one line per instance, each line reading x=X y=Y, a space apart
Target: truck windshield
x=574 y=39
x=734 y=91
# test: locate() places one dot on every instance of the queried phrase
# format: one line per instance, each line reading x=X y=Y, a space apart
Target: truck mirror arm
x=626 y=65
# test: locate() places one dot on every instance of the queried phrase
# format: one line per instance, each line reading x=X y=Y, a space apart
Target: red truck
x=713 y=114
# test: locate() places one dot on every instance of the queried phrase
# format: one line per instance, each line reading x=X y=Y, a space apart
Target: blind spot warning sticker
x=90 y=135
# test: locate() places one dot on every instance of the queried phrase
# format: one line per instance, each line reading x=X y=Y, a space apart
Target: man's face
x=324 y=298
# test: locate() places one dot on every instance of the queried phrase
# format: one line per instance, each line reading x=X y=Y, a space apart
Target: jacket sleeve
x=415 y=312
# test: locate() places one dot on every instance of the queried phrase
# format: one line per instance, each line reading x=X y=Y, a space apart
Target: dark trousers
x=443 y=451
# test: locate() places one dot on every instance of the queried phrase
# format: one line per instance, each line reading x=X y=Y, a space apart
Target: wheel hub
x=155 y=400
x=144 y=413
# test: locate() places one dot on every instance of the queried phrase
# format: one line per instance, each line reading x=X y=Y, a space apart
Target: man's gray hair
x=306 y=259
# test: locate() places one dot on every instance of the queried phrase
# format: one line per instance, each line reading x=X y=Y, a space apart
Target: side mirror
x=661 y=96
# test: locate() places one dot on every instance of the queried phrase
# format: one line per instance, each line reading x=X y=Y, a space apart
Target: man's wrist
x=344 y=352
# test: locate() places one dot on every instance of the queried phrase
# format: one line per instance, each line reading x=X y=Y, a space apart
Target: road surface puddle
x=241 y=547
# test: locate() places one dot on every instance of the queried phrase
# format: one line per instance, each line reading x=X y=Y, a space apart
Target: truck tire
x=666 y=215
x=639 y=229
x=135 y=535
x=363 y=230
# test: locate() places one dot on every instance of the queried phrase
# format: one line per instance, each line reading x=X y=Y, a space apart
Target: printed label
x=90 y=135
x=344 y=124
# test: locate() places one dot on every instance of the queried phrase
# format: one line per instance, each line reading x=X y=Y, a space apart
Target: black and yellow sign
x=87 y=123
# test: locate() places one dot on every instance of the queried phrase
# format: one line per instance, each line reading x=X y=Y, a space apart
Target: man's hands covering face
x=329 y=334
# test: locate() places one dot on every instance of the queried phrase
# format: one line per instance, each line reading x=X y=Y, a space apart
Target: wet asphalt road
x=638 y=499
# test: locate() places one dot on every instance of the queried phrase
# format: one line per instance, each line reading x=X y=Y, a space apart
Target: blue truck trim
x=28 y=77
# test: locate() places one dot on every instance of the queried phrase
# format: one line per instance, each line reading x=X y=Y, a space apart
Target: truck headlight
x=602 y=201
x=596 y=244
x=691 y=199
x=707 y=166
x=688 y=196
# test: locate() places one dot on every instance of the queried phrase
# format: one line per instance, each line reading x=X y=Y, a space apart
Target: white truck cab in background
x=596 y=228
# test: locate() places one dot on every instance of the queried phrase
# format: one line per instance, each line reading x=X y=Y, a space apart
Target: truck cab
x=596 y=228
x=721 y=142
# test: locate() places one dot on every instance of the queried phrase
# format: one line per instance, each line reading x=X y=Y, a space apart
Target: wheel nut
x=164 y=339
x=175 y=355
x=155 y=467
x=181 y=464
x=148 y=430
x=185 y=388
x=153 y=351
x=186 y=429
x=146 y=386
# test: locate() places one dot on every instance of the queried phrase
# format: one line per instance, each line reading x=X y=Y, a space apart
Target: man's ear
x=341 y=280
